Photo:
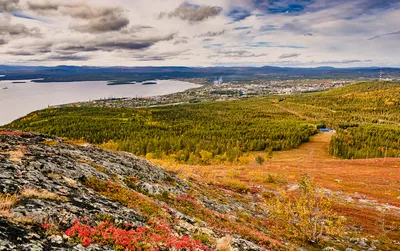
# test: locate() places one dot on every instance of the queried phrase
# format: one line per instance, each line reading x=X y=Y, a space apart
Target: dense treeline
x=196 y=133
x=366 y=142
x=366 y=115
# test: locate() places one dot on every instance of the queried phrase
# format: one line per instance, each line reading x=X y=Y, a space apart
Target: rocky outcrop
x=45 y=183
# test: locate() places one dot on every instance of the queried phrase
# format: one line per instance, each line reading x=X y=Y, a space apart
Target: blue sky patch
x=239 y=14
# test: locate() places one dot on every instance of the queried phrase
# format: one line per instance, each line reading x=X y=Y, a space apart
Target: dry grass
x=68 y=181
x=51 y=142
x=15 y=156
x=25 y=220
x=38 y=194
x=76 y=142
x=6 y=203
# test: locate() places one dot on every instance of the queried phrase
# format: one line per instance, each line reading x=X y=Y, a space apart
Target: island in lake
x=149 y=83
x=121 y=83
x=18 y=82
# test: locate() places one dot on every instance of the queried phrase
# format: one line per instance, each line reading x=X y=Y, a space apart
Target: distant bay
x=19 y=99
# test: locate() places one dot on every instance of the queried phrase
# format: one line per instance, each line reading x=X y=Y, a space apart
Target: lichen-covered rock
x=49 y=176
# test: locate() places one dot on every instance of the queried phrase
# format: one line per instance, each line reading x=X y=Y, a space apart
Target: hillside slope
x=47 y=185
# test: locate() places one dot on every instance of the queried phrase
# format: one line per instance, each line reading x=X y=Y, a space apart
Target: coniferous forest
x=366 y=117
x=194 y=133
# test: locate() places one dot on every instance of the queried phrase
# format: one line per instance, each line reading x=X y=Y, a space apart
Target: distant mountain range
x=87 y=73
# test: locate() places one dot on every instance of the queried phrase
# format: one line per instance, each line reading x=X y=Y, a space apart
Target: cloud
x=88 y=19
x=139 y=28
x=385 y=35
x=242 y=28
x=102 y=24
x=43 y=6
x=344 y=61
x=144 y=57
x=112 y=43
x=10 y=30
x=289 y=55
x=67 y=58
x=2 y=41
x=9 y=5
x=181 y=40
x=213 y=33
x=235 y=54
x=31 y=49
x=193 y=13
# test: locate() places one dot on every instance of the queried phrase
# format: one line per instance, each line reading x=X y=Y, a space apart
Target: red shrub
x=141 y=238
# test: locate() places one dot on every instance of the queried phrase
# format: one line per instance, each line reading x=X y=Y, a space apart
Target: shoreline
x=42 y=97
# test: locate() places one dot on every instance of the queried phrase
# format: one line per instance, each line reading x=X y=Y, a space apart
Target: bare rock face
x=44 y=182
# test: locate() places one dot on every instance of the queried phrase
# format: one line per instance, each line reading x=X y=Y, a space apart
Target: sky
x=301 y=33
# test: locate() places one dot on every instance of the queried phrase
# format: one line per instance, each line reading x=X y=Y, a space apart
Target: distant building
x=219 y=81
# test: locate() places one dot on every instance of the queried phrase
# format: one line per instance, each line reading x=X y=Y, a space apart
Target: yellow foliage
x=308 y=217
x=110 y=145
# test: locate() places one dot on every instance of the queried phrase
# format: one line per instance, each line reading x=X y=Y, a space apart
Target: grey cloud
x=80 y=11
x=131 y=44
x=9 y=5
x=385 y=35
x=88 y=19
x=7 y=29
x=344 y=61
x=128 y=45
x=111 y=44
x=236 y=54
x=31 y=49
x=193 y=13
x=2 y=41
x=72 y=49
x=42 y=6
x=290 y=55
x=20 y=53
x=68 y=58
x=181 y=40
x=159 y=56
x=139 y=28
x=213 y=33
x=102 y=24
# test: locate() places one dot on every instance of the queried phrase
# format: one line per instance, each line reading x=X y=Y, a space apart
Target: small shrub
x=275 y=179
x=260 y=160
x=308 y=217
x=236 y=186
x=205 y=239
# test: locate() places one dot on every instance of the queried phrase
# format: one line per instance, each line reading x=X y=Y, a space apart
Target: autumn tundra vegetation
x=294 y=186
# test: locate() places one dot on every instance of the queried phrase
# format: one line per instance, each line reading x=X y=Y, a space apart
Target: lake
x=24 y=96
